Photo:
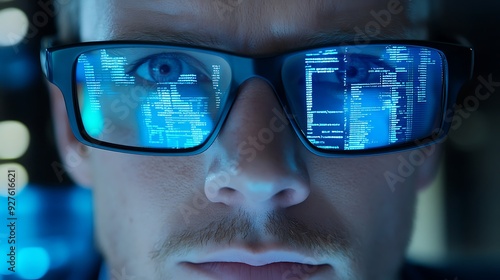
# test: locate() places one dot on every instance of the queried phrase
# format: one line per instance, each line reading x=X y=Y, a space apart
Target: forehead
x=245 y=26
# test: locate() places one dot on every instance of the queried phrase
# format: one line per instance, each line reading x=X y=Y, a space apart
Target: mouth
x=245 y=265
x=243 y=271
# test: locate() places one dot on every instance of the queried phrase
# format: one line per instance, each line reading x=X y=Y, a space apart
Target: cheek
x=358 y=189
x=134 y=193
x=377 y=218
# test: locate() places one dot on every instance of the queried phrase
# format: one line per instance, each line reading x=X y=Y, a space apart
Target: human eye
x=166 y=68
x=359 y=68
x=346 y=69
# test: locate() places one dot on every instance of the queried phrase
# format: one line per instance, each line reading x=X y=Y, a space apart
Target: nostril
x=229 y=196
x=226 y=191
x=258 y=190
x=284 y=196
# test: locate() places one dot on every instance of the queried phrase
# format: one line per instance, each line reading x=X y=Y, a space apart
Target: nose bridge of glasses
x=246 y=68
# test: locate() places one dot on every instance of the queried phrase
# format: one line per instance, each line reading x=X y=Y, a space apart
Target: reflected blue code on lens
x=149 y=97
x=364 y=97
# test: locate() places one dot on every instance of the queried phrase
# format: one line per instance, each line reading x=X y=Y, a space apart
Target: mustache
x=286 y=230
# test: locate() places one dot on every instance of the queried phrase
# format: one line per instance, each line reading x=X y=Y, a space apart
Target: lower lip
x=241 y=271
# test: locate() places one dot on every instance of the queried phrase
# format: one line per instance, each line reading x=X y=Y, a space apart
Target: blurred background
x=458 y=219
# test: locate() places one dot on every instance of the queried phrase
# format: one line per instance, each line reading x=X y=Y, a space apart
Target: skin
x=354 y=222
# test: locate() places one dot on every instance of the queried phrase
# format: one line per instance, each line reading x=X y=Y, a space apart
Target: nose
x=257 y=159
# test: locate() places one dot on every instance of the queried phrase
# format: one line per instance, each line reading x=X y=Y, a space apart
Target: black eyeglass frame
x=59 y=66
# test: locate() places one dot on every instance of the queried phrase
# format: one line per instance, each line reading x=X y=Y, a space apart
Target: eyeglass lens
x=341 y=98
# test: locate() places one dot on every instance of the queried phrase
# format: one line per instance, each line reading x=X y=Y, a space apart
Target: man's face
x=281 y=213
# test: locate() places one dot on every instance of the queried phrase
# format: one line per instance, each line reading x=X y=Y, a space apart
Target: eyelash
x=369 y=61
x=185 y=61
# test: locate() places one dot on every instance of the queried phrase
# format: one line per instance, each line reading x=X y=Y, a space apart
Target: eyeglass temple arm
x=46 y=43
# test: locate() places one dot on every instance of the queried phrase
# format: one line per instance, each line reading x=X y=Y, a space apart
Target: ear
x=428 y=172
x=75 y=156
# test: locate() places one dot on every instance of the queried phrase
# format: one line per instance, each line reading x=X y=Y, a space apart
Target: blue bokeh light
x=33 y=262
x=19 y=70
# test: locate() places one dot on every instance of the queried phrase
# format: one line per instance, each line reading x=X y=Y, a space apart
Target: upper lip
x=260 y=258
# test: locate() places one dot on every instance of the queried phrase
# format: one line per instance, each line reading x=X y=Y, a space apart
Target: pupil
x=352 y=72
x=164 y=69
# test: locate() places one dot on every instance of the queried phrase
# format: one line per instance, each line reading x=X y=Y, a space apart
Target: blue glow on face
x=32 y=262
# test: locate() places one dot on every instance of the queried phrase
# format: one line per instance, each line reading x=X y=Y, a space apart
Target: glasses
x=341 y=100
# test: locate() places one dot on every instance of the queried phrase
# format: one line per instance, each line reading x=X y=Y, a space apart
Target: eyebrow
x=305 y=40
x=187 y=38
x=339 y=37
